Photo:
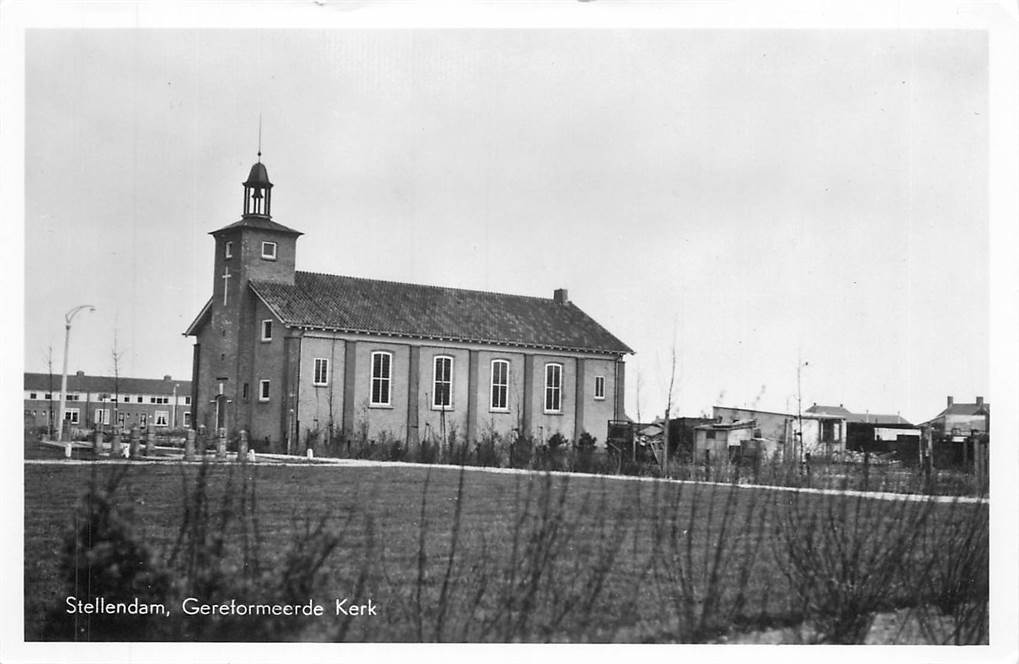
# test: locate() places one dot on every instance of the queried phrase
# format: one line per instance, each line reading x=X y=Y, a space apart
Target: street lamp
x=68 y=317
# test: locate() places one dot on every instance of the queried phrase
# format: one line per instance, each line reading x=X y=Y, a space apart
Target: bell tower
x=230 y=348
x=258 y=191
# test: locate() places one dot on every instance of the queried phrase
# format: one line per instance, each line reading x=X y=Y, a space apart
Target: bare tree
x=668 y=408
x=116 y=354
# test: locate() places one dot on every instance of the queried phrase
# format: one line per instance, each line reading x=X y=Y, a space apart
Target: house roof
x=876 y=418
x=966 y=409
x=369 y=306
x=856 y=418
x=78 y=383
x=259 y=223
x=828 y=410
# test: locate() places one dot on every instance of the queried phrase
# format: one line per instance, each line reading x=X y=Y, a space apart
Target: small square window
x=187 y=401
x=269 y=251
x=228 y=251
x=263 y=390
x=267 y=330
x=140 y=400
x=31 y=395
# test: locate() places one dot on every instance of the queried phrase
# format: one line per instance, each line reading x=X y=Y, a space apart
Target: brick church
x=288 y=355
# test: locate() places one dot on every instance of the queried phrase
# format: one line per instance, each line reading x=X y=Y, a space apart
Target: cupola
x=257 y=191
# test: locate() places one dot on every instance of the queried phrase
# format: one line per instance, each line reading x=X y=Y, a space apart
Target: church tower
x=252 y=248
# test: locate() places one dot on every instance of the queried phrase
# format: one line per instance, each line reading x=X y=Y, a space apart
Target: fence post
x=115 y=446
x=135 y=448
x=242 y=446
x=189 y=446
x=150 y=443
x=221 y=445
x=98 y=445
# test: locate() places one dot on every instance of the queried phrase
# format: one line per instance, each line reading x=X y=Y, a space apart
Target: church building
x=290 y=355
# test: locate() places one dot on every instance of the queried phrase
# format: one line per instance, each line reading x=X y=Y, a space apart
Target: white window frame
x=33 y=395
x=263 y=390
x=386 y=381
x=163 y=415
x=263 y=327
x=599 y=388
x=228 y=249
x=121 y=415
x=436 y=383
x=502 y=387
x=320 y=373
x=72 y=415
x=187 y=419
x=143 y=419
x=271 y=256
x=102 y=416
x=553 y=394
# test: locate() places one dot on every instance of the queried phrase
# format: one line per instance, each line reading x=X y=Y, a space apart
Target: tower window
x=269 y=251
x=553 y=388
x=599 y=387
x=267 y=330
x=263 y=390
x=382 y=363
x=442 y=383
x=228 y=251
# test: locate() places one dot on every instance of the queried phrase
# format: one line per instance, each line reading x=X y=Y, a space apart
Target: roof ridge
x=428 y=286
x=90 y=375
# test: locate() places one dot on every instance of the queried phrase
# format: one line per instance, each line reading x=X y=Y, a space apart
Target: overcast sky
x=752 y=198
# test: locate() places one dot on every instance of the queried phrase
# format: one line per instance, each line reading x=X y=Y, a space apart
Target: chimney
x=166 y=377
x=79 y=373
x=950 y=401
x=559 y=296
x=980 y=401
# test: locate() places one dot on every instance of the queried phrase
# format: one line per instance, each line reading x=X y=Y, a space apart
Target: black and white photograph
x=564 y=323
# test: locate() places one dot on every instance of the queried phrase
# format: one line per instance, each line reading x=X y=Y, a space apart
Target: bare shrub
x=846 y=557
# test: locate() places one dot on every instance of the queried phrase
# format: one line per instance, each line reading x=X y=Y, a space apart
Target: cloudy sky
x=753 y=199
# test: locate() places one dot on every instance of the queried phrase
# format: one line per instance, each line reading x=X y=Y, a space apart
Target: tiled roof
x=261 y=223
x=353 y=304
x=966 y=409
x=75 y=383
x=828 y=410
x=876 y=418
x=856 y=418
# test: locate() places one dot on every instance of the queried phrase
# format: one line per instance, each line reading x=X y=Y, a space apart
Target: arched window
x=500 y=386
x=553 y=388
x=382 y=372
x=442 y=382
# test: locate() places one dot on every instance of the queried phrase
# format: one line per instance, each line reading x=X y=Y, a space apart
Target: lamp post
x=68 y=317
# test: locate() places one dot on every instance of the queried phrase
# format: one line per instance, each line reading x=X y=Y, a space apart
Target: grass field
x=478 y=556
